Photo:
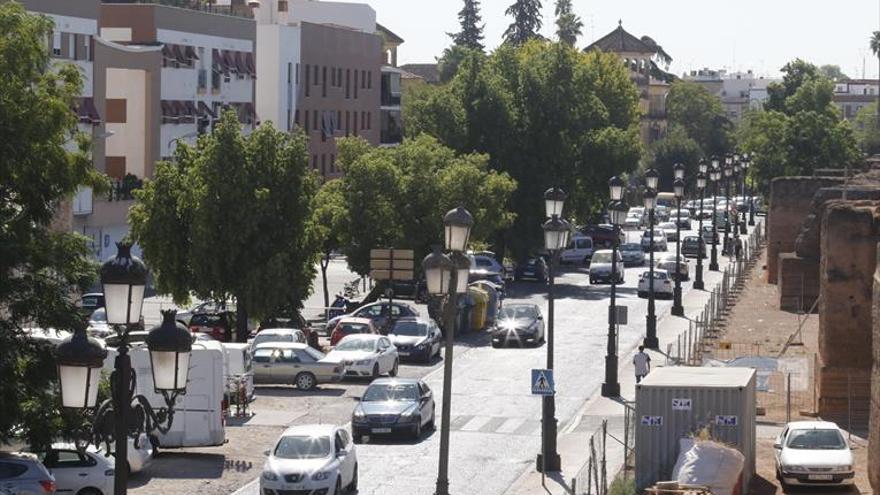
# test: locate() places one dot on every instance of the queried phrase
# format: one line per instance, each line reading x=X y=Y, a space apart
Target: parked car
x=290 y=319
x=603 y=235
x=600 y=267
x=681 y=217
x=88 y=303
x=204 y=307
x=485 y=260
x=98 y=326
x=366 y=355
x=416 y=338
x=709 y=234
x=294 y=363
x=670 y=230
x=220 y=325
x=382 y=313
x=579 y=250
x=278 y=335
x=667 y=262
x=813 y=453
x=311 y=459
x=632 y=254
x=633 y=221
x=521 y=323
x=392 y=405
x=662 y=284
x=659 y=240
x=24 y=474
x=492 y=277
x=88 y=472
x=351 y=326
x=532 y=268
x=693 y=246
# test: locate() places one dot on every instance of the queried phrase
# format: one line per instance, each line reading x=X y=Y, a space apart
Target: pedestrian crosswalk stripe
x=475 y=423
x=510 y=425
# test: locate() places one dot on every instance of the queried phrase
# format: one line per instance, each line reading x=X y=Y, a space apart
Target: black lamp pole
x=751 y=198
x=678 y=187
x=713 y=262
x=616 y=209
x=743 y=167
x=701 y=185
x=727 y=172
x=651 y=178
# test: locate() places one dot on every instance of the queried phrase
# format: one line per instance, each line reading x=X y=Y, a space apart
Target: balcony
x=82 y=202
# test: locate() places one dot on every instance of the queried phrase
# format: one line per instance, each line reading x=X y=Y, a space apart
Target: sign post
x=543 y=384
x=391 y=265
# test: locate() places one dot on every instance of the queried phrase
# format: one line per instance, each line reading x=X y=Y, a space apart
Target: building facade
x=852 y=95
x=738 y=92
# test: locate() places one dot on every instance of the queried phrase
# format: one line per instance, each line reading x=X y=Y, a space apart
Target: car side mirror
x=341 y=454
x=540 y=317
x=777 y=446
x=267 y=452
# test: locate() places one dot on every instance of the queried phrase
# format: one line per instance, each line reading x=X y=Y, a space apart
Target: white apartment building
x=852 y=95
x=739 y=92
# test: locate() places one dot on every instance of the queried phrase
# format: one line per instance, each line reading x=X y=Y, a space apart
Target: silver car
x=667 y=262
x=294 y=363
x=24 y=474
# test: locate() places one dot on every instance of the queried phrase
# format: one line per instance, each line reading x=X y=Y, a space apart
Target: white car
x=667 y=262
x=311 y=459
x=278 y=335
x=670 y=230
x=813 y=453
x=98 y=326
x=579 y=250
x=600 y=267
x=89 y=472
x=633 y=221
x=366 y=355
x=662 y=283
x=659 y=240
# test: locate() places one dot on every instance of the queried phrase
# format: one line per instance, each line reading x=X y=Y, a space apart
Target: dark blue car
x=393 y=405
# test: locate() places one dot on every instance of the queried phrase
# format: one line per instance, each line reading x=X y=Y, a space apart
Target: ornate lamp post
x=747 y=162
x=556 y=232
x=701 y=186
x=736 y=223
x=447 y=276
x=743 y=168
x=617 y=210
x=728 y=172
x=714 y=176
x=651 y=179
x=678 y=188
x=80 y=359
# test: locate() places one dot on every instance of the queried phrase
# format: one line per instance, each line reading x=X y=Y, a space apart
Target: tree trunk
x=241 y=323
x=325 y=262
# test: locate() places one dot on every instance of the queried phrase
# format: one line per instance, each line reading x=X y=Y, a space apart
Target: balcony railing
x=121 y=190
x=205 y=6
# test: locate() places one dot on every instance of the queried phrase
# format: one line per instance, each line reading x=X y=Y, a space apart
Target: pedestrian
x=642 y=362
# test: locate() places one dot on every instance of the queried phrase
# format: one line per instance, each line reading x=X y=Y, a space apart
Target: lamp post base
x=442 y=487
x=611 y=389
x=677 y=308
x=713 y=266
x=554 y=463
x=651 y=341
x=751 y=222
x=699 y=285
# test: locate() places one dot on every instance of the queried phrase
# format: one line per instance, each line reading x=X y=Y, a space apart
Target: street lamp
x=743 y=168
x=617 y=210
x=556 y=232
x=701 y=186
x=728 y=172
x=80 y=359
x=714 y=176
x=747 y=162
x=447 y=276
x=650 y=198
x=678 y=188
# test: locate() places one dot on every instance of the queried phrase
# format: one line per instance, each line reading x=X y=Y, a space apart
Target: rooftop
x=695 y=377
x=620 y=40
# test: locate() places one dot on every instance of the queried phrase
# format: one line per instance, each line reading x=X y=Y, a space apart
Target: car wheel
x=305 y=381
x=357 y=436
x=393 y=372
x=417 y=431
x=89 y=491
x=338 y=490
x=353 y=486
x=432 y=424
x=376 y=370
x=592 y=281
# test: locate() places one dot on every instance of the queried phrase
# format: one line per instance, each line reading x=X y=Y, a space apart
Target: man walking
x=642 y=362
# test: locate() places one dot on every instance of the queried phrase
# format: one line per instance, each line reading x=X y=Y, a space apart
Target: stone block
x=874 y=433
x=798 y=281
x=845 y=396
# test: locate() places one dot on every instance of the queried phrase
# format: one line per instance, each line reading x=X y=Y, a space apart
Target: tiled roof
x=620 y=40
x=388 y=35
x=428 y=72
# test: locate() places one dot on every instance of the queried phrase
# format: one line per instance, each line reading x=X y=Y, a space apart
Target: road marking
x=252 y=488
x=459 y=421
x=511 y=425
x=492 y=425
x=475 y=423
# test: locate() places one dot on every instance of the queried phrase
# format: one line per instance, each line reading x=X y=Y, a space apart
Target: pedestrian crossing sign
x=542 y=382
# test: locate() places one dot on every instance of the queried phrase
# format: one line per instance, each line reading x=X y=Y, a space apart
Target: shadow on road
x=183 y=465
x=290 y=391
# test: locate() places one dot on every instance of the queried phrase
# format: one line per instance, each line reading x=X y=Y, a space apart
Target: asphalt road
x=495 y=420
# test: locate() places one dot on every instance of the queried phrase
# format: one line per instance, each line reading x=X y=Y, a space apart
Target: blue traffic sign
x=542 y=382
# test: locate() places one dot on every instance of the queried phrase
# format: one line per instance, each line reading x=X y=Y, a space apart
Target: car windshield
x=303 y=447
x=517 y=312
x=484 y=263
x=629 y=247
x=261 y=338
x=206 y=320
x=532 y=261
x=350 y=328
x=356 y=345
x=99 y=315
x=657 y=275
x=602 y=257
x=410 y=329
x=825 y=439
x=691 y=240
x=395 y=391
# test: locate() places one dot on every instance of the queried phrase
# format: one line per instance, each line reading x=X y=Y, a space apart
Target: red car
x=350 y=326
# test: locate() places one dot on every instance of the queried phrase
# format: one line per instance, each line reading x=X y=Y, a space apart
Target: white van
x=579 y=250
x=199 y=416
x=237 y=365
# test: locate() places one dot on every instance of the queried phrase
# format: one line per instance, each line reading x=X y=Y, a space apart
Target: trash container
x=478 y=312
x=465 y=304
x=494 y=302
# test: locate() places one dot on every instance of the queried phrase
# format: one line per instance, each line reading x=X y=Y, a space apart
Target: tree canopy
x=526 y=23
x=701 y=116
x=676 y=147
x=545 y=113
x=397 y=197
x=568 y=24
x=43 y=160
x=471 y=33
x=229 y=218
x=867 y=129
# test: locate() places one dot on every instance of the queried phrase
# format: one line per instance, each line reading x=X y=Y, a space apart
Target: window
x=332 y=163
x=355 y=83
x=315 y=161
x=297 y=73
x=363 y=120
x=308 y=71
x=363 y=79
x=348 y=83
x=354 y=123
x=296 y=117
x=340 y=443
x=315 y=80
x=56 y=43
x=288 y=356
x=347 y=122
x=315 y=120
x=370 y=80
x=11 y=470
x=306 y=123
x=339 y=77
x=332 y=77
x=338 y=119
x=323 y=164
x=369 y=120
x=324 y=81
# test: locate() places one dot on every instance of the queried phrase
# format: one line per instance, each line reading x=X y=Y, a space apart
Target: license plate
x=402 y=353
x=821 y=477
x=381 y=430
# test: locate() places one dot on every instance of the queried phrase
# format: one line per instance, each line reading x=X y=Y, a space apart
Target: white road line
x=510 y=425
x=475 y=423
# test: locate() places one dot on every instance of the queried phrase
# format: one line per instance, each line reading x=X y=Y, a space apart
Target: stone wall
x=790 y=200
x=848 y=263
x=798 y=282
x=874 y=436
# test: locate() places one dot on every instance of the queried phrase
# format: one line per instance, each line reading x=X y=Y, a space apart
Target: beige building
x=738 y=92
x=852 y=95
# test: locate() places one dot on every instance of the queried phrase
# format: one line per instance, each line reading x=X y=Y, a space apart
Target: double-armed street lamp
x=701 y=186
x=728 y=173
x=556 y=233
x=715 y=177
x=652 y=179
x=744 y=168
x=678 y=188
x=617 y=210
x=747 y=163
x=80 y=359
x=447 y=276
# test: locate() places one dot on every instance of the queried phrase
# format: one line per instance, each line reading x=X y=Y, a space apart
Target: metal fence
x=593 y=478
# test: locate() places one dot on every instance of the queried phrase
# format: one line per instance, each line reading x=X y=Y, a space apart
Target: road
x=495 y=420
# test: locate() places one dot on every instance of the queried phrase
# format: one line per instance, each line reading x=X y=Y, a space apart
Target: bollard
x=788 y=398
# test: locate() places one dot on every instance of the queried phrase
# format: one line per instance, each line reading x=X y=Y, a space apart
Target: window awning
x=167 y=51
x=229 y=64
x=190 y=52
x=205 y=111
x=178 y=54
x=191 y=108
x=169 y=109
x=180 y=108
x=249 y=62
x=87 y=112
x=219 y=62
x=240 y=66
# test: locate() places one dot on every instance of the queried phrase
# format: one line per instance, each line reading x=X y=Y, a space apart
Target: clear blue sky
x=746 y=34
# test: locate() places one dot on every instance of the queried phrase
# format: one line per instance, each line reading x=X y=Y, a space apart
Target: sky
x=761 y=35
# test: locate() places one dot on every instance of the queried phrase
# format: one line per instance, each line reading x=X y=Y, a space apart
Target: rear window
x=206 y=320
x=9 y=470
x=350 y=328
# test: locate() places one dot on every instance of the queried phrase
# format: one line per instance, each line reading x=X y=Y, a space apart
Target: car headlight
x=795 y=469
x=845 y=468
x=270 y=476
x=321 y=475
x=421 y=346
x=362 y=362
x=359 y=414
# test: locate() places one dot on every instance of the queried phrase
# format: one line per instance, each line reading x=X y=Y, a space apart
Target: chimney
x=283 y=12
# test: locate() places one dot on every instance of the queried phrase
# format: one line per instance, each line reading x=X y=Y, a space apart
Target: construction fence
x=604 y=455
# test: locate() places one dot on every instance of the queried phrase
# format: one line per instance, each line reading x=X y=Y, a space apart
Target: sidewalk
x=573 y=438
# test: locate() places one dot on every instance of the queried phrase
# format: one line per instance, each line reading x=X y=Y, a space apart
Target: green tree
x=795 y=73
x=867 y=130
x=329 y=219
x=764 y=134
x=833 y=72
x=471 y=34
x=701 y=115
x=230 y=219
x=452 y=57
x=568 y=24
x=676 y=147
x=526 y=23
x=396 y=197
x=875 y=49
x=43 y=160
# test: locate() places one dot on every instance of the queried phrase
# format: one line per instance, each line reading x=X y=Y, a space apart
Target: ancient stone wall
x=790 y=200
x=874 y=436
x=798 y=282
x=848 y=262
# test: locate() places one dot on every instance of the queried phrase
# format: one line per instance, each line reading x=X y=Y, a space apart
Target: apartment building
x=738 y=92
x=390 y=120
x=852 y=95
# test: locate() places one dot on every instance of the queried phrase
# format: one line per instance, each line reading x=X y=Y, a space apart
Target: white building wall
x=168 y=133
x=179 y=84
x=356 y=16
x=128 y=138
x=278 y=47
